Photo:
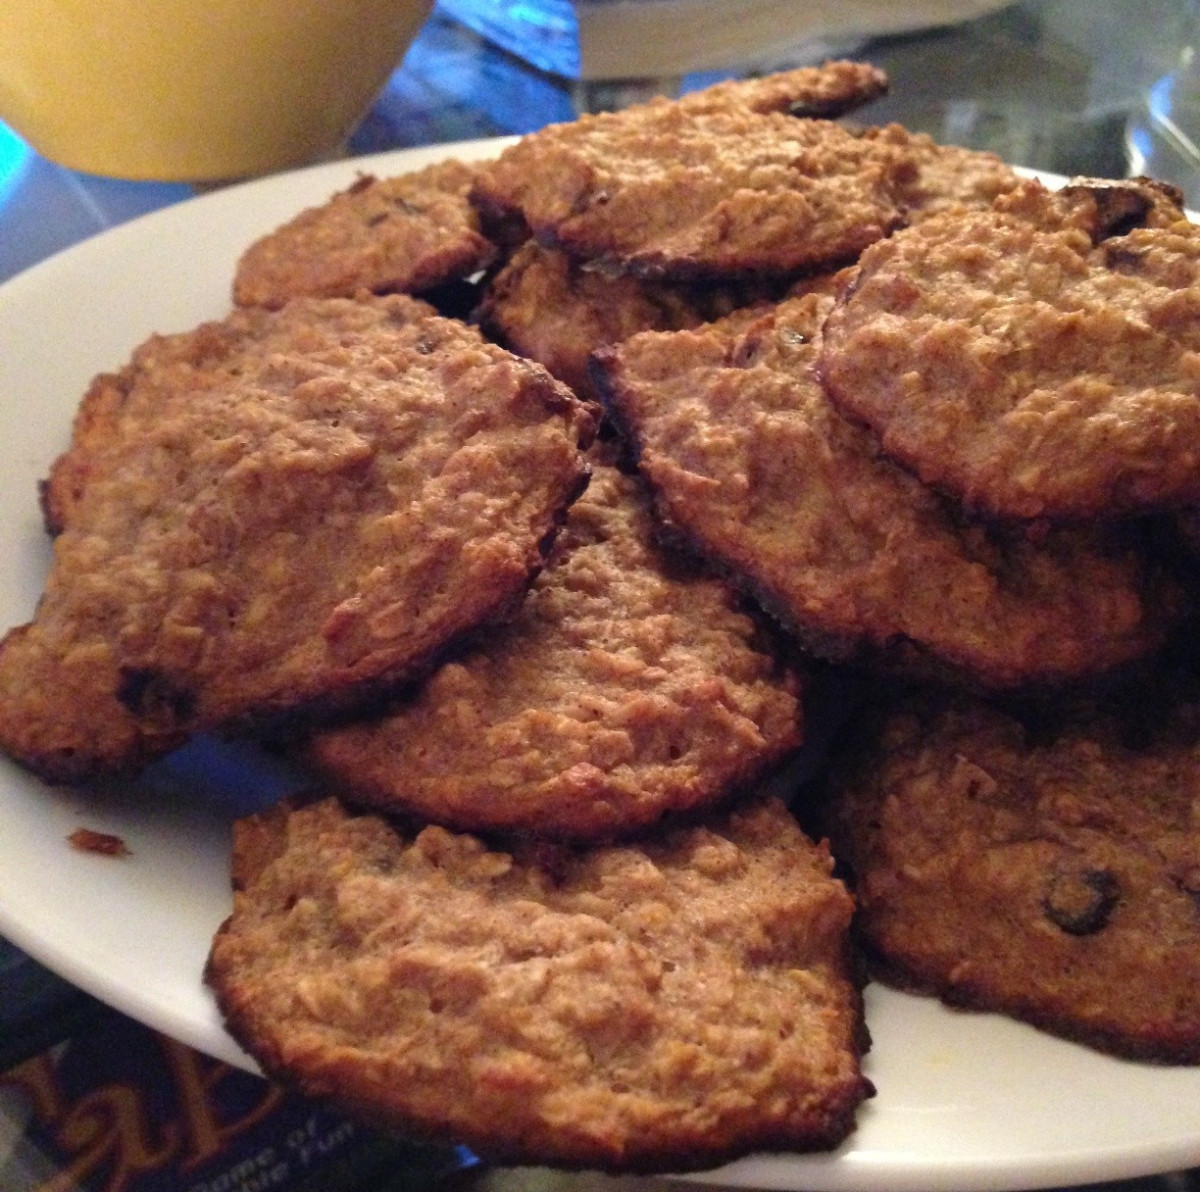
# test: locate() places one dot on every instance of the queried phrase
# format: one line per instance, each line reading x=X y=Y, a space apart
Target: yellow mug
x=195 y=90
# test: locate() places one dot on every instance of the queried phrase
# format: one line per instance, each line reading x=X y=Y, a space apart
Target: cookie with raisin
x=1049 y=871
x=301 y=507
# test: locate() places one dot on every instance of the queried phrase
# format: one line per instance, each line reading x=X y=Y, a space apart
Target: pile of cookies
x=527 y=501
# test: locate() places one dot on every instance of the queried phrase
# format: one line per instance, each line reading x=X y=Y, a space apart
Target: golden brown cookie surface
x=1054 y=878
x=364 y=484
x=666 y=1004
x=625 y=688
x=1037 y=359
x=383 y=235
x=167 y=370
x=754 y=467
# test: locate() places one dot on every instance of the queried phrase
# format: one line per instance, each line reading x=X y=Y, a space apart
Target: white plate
x=965 y=1101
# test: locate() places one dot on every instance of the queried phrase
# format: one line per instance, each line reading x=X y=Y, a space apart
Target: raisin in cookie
x=1053 y=877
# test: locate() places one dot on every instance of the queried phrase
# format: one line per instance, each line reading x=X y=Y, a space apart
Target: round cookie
x=406 y=234
x=662 y=1005
x=1051 y=876
x=298 y=508
x=754 y=468
x=1037 y=359
x=627 y=687
x=724 y=183
x=662 y=191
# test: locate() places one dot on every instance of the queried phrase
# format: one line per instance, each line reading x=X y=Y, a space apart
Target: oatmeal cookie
x=626 y=687
x=1051 y=876
x=385 y=235
x=664 y=191
x=706 y=187
x=665 y=1004
x=350 y=486
x=753 y=467
x=1037 y=359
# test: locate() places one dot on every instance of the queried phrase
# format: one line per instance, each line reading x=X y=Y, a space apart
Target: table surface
x=1057 y=85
